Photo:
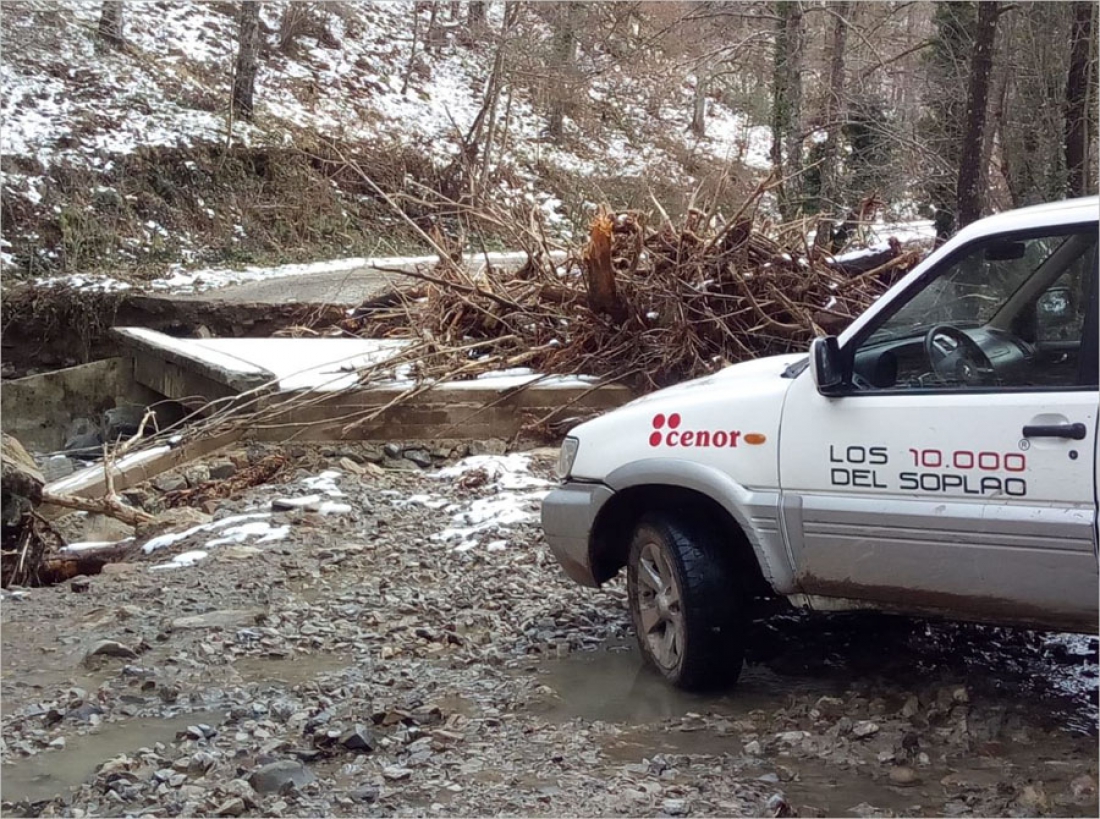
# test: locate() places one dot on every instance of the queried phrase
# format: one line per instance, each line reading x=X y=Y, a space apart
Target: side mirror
x=825 y=364
x=1053 y=305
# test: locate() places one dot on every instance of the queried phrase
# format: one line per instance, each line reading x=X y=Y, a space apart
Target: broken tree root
x=23 y=565
x=110 y=506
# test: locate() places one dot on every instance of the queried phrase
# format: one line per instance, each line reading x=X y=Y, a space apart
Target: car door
x=967 y=490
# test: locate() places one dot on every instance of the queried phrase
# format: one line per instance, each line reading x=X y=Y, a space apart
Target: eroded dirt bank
x=401 y=643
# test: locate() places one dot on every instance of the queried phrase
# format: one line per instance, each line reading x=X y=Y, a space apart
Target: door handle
x=1075 y=431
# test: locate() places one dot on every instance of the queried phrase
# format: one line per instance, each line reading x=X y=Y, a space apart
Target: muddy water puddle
x=53 y=773
x=36 y=660
x=614 y=685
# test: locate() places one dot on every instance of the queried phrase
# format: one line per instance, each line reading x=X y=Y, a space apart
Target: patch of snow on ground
x=166 y=540
x=261 y=529
x=325 y=483
x=182 y=560
x=517 y=496
x=88 y=545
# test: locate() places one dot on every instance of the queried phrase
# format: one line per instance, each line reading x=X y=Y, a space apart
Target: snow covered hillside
x=129 y=158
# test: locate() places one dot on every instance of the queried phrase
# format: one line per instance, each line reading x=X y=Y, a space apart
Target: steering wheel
x=962 y=362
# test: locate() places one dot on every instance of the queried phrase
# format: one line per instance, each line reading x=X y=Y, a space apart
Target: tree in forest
x=835 y=111
x=248 y=53
x=1078 y=107
x=787 y=104
x=566 y=20
x=698 y=126
x=110 y=32
x=948 y=69
x=476 y=15
x=969 y=198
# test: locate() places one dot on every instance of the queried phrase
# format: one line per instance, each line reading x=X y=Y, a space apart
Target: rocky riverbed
x=395 y=639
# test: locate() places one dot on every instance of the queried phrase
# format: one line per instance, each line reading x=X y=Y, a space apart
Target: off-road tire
x=712 y=602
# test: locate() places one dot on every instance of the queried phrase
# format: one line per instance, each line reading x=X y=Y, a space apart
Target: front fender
x=756 y=512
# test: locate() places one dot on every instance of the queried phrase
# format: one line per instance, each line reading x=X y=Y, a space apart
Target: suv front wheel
x=686 y=602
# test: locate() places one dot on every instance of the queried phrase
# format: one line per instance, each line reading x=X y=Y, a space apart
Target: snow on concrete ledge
x=321 y=364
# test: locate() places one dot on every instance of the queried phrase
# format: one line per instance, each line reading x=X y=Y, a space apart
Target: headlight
x=568 y=454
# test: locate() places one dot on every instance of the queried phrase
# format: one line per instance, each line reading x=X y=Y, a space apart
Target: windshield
x=971 y=291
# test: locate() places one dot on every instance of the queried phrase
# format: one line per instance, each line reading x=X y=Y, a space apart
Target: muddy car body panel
x=939 y=456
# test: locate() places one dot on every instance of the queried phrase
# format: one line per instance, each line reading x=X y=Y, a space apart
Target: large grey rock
x=170 y=482
x=420 y=457
x=494 y=446
x=85 y=446
x=20 y=479
x=275 y=776
x=123 y=422
x=109 y=648
x=358 y=738
x=56 y=467
x=81 y=426
x=196 y=474
x=221 y=469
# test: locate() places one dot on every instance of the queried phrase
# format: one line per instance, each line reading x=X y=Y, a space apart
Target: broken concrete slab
x=495 y=405
x=183 y=367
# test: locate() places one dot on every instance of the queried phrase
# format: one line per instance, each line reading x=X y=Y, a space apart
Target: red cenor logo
x=667 y=431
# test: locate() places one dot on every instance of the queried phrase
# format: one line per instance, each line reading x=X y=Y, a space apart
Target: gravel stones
x=402 y=673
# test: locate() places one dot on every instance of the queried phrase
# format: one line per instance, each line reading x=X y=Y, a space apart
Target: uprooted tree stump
x=30 y=553
x=599 y=269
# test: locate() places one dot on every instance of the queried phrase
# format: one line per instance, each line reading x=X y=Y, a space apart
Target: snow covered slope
x=74 y=118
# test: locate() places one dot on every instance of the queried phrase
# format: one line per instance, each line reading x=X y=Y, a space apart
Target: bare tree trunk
x=566 y=21
x=412 y=51
x=995 y=128
x=1077 y=101
x=969 y=192
x=244 y=78
x=430 y=35
x=111 y=19
x=699 y=102
x=476 y=15
x=835 y=110
x=787 y=104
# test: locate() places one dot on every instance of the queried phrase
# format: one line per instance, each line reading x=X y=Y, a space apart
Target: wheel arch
x=751 y=518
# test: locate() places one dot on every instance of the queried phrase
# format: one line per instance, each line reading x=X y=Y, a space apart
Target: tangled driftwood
x=649 y=305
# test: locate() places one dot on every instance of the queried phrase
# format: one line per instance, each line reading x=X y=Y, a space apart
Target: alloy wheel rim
x=660 y=614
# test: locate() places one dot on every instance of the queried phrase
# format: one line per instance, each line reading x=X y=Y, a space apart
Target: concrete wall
x=466 y=414
x=38 y=409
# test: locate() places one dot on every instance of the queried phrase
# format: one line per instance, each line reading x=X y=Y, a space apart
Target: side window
x=1004 y=313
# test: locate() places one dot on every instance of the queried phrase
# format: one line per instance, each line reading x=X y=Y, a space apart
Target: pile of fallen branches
x=649 y=304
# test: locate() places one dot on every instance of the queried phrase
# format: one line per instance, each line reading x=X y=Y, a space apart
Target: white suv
x=938 y=457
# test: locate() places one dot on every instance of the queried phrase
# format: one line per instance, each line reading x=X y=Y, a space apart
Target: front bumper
x=568 y=515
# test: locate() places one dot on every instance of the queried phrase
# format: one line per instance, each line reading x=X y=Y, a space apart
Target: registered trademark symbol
x=1025 y=444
